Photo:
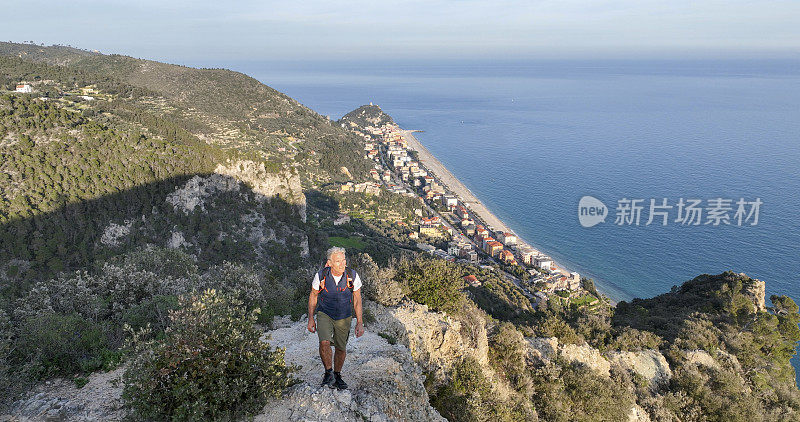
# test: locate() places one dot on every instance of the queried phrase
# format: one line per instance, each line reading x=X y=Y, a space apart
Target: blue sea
x=530 y=138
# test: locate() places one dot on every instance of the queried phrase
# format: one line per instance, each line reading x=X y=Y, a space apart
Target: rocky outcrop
x=195 y=192
x=177 y=240
x=547 y=348
x=114 y=233
x=756 y=290
x=650 y=364
x=637 y=414
x=542 y=348
x=62 y=400
x=384 y=385
x=285 y=184
x=701 y=358
x=199 y=193
x=227 y=178
x=435 y=339
x=585 y=355
x=384 y=382
x=438 y=342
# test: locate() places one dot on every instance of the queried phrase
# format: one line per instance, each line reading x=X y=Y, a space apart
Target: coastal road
x=453 y=184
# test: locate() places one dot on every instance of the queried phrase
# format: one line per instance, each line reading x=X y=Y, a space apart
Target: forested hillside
x=218 y=106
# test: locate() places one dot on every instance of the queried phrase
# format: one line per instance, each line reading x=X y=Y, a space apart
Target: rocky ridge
x=385 y=384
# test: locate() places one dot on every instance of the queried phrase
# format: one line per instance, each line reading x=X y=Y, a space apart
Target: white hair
x=334 y=250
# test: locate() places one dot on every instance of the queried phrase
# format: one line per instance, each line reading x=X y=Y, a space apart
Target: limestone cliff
x=250 y=184
x=650 y=364
x=226 y=178
x=434 y=338
x=284 y=184
x=438 y=342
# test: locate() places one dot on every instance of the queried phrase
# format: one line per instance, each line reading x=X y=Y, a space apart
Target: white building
x=24 y=88
x=507 y=238
x=342 y=219
x=419 y=173
x=543 y=262
x=454 y=249
x=526 y=255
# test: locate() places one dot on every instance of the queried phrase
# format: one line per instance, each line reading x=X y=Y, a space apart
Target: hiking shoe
x=328 y=379
x=340 y=384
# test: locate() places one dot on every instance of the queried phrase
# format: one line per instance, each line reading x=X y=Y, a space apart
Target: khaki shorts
x=336 y=330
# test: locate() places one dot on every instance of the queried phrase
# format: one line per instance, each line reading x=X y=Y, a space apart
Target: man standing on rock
x=337 y=288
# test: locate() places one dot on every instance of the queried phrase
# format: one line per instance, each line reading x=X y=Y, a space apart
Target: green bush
x=378 y=282
x=634 y=340
x=7 y=389
x=210 y=366
x=572 y=392
x=65 y=344
x=433 y=282
x=464 y=397
x=468 y=396
x=153 y=311
x=507 y=350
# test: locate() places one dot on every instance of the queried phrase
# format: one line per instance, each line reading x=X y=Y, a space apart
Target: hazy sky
x=213 y=30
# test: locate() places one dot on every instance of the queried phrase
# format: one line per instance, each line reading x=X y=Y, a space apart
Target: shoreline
x=453 y=184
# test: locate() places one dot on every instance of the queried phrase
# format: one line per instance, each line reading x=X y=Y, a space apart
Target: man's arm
x=312 y=306
x=359 y=316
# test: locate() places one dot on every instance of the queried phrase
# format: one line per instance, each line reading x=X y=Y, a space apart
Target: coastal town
x=455 y=225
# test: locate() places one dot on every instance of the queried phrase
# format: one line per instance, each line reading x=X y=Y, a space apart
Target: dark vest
x=336 y=300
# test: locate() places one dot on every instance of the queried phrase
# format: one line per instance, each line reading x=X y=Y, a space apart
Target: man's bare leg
x=338 y=360
x=325 y=354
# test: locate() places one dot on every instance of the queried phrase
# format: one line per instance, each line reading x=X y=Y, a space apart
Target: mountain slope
x=218 y=106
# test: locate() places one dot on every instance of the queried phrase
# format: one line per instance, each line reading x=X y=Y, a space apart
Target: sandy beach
x=453 y=184
x=464 y=194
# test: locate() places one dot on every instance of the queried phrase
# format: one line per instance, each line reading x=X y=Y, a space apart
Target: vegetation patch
x=210 y=366
x=347 y=242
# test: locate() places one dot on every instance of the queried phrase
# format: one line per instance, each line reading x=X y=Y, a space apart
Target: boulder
x=650 y=364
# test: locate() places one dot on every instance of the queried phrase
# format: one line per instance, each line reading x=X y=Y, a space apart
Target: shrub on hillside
x=572 y=392
x=468 y=396
x=507 y=352
x=378 y=282
x=433 y=282
x=61 y=344
x=236 y=280
x=166 y=262
x=628 y=338
x=152 y=312
x=6 y=386
x=210 y=366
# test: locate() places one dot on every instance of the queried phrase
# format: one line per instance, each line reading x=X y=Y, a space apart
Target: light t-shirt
x=356 y=282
